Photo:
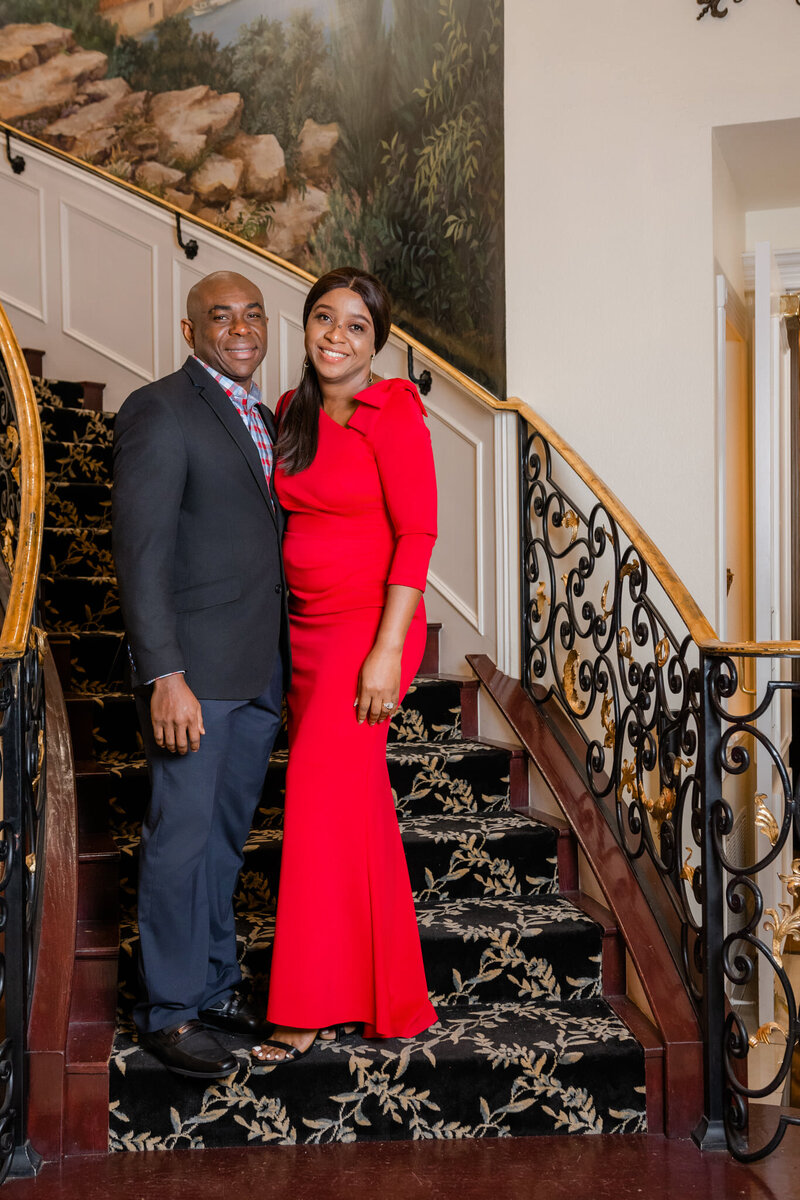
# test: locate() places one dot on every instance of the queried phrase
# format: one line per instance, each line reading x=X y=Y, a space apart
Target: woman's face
x=340 y=339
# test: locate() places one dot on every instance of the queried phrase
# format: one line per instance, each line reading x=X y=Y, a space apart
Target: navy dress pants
x=200 y=814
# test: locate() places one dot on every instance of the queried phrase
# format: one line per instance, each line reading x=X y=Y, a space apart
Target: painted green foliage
x=420 y=192
x=416 y=192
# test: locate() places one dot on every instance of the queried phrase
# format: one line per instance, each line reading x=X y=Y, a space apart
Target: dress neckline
x=338 y=424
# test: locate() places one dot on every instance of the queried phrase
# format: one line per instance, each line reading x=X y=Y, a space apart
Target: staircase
x=526 y=974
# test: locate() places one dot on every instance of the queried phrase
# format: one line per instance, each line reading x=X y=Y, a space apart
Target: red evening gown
x=362 y=516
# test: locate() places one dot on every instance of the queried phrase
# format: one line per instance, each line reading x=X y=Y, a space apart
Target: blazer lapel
x=269 y=421
x=222 y=407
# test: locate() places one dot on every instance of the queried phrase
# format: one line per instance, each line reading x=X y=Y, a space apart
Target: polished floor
x=545 y=1168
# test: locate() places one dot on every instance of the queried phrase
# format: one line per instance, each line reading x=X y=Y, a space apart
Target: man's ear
x=188 y=332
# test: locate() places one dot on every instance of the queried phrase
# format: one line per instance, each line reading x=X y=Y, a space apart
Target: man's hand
x=176 y=715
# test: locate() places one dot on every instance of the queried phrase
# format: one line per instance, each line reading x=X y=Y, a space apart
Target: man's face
x=226 y=326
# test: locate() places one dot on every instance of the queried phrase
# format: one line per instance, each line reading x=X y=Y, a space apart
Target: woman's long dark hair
x=297 y=441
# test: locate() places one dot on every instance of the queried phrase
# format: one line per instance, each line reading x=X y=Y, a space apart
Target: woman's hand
x=378 y=685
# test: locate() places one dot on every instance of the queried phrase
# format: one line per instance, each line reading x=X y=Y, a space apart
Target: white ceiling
x=764 y=160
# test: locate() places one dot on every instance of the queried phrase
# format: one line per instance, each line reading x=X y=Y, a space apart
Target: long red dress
x=362 y=516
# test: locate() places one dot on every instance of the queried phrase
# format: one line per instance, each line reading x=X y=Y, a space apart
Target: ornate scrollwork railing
x=22 y=740
x=689 y=765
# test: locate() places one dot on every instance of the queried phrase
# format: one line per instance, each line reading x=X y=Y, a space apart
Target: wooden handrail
x=19 y=613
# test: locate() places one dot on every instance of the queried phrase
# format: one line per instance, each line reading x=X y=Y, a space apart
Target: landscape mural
x=329 y=132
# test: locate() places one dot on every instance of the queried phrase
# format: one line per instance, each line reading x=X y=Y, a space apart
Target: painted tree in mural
x=420 y=190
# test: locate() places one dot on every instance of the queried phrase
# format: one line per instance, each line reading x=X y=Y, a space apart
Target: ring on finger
x=388 y=704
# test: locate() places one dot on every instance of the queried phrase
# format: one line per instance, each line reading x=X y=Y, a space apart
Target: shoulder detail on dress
x=374 y=399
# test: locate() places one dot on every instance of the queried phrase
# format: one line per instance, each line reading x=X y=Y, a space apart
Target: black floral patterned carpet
x=524 y=1044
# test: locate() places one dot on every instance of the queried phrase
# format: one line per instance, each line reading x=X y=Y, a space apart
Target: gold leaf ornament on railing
x=7 y=548
x=687 y=872
x=765 y=819
x=570 y=684
x=624 y=643
x=629 y=568
x=763 y=1034
x=606 y=612
x=783 y=927
x=662 y=652
x=570 y=521
x=660 y=809
x=792 y=882
x=607 y=721
x=540 y=600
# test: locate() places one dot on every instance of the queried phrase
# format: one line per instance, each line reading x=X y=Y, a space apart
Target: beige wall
x=610 y=235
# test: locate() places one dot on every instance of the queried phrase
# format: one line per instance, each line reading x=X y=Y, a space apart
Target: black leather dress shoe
x=189 y=1049
x=234 y=1015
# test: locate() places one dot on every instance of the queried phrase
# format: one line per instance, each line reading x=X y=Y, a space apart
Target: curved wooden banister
x=19 y=613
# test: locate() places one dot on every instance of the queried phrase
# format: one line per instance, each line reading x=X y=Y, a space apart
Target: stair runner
x=525 y=1042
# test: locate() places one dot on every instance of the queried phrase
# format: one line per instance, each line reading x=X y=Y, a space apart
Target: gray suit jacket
x=196 y=539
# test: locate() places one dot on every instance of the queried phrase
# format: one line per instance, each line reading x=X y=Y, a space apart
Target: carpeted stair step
x=449 y=777
x=68 y=393
x=97 y=663
x=514 y=948
x=494 y=854
x=491 y=857
x=499 y=1071
x=82 y=552
x=76 y=425
x=76 y=505
x=78 y=462
x=430 y=712
x=476 y=951
x=447 y=857
x=75 y=604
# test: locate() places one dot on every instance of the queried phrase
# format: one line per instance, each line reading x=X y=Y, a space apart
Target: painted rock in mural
x=91 y=131
x=194 y=120
x=293 y=219
x=217 y=180
x=264 y=164
x=156 y=175
x=25 y=46
x=46 y=90
x=315 y=150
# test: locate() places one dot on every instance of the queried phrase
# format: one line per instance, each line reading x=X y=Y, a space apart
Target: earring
x=369 y=380
x=306 y=363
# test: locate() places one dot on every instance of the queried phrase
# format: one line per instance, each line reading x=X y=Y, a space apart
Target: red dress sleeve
x=404 y=457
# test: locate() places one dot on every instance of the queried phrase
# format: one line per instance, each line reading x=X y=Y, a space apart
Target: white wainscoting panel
x=91 y=311
x=22 y=282
x=458 y=576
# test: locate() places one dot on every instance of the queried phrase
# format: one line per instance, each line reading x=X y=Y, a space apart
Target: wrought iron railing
x=22 y=741
x=689 y=759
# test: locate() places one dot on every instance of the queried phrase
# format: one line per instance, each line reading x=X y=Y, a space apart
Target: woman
x=355 y=474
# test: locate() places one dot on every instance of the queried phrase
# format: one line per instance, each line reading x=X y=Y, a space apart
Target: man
x=196 y=533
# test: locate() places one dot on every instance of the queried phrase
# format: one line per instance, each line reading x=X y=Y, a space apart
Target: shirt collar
x=235 y=390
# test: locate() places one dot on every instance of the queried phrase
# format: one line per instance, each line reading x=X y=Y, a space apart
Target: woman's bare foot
x=294 y=1043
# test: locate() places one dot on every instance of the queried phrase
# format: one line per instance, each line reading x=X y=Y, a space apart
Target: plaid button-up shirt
x=246 y=404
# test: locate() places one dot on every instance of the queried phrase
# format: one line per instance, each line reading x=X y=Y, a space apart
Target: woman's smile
x=340 y=339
